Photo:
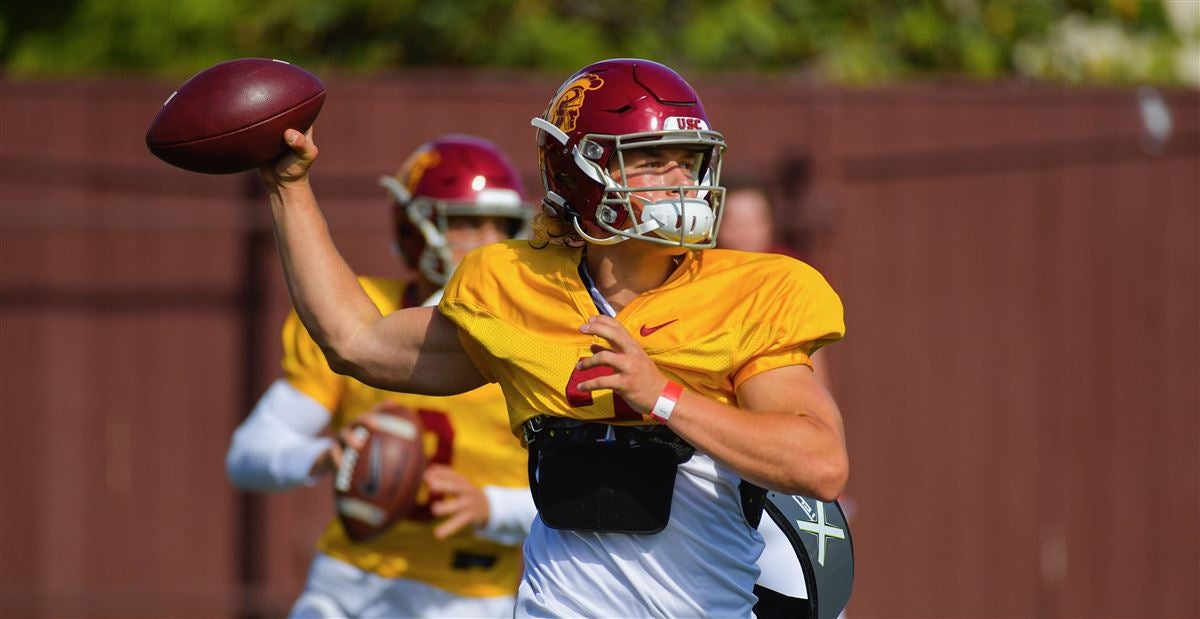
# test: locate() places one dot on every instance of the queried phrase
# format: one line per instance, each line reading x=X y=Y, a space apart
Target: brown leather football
x=376 y=486
x=231 y=116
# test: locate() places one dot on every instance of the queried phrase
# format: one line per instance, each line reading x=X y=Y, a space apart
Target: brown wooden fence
x=1020 y=380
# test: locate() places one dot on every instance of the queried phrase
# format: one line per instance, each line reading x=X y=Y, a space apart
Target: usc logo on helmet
x=414 y=169
x=564 y=109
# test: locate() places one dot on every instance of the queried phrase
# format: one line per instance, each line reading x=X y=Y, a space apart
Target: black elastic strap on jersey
x=775 y=605
x=753 y=498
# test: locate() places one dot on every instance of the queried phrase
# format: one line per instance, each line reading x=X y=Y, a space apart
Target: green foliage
x=851 y=41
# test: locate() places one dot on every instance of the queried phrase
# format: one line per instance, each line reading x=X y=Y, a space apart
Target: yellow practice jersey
x=468 y=432
x=722 y=317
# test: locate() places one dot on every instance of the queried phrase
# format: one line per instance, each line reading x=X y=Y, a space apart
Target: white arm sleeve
x=511 y=512
x=276 y=446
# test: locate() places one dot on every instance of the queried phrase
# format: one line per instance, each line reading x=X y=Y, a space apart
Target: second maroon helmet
x=601 y=112
x=452 y=176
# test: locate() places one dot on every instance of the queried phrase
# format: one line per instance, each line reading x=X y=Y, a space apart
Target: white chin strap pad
x=689 y=220
x=434 y=298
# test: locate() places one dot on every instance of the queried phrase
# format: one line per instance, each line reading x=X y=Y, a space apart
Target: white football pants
x=336 y=589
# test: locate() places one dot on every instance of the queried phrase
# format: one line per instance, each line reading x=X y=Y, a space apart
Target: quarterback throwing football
x=658 y=383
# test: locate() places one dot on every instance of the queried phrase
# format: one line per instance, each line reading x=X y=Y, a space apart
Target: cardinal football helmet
x=600 y=113
x=452 y=176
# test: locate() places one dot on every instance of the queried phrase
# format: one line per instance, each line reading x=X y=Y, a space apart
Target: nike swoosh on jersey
x=646 y=331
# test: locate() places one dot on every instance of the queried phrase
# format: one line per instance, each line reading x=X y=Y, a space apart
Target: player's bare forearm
x=787 y=436
x=414 y=350
x=325 y=292
x=338 y=314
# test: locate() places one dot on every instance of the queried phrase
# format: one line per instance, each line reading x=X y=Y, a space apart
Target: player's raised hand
x=634 y=376
x=292 y=165
x=462 y=503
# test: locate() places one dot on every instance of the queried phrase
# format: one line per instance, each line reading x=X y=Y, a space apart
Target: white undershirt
x=701 y=565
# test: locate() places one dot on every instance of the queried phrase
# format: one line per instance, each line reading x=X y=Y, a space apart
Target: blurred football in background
x=376 y=486
x=231 y=117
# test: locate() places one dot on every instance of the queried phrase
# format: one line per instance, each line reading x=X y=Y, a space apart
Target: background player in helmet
x=617 y=322
x=459 y=554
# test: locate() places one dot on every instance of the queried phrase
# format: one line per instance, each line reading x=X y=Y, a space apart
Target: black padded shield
x=821 y=538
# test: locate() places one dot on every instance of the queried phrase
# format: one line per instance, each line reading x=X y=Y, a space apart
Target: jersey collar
x=686 y=262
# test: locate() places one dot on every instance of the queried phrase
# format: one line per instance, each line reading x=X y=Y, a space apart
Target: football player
x=458 y=554
x=658 y=383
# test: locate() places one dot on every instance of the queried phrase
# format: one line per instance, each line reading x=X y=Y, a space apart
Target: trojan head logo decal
x=564 y=108
x=414 y=168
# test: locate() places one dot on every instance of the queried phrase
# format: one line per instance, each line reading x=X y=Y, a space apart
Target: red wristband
x=665 y=405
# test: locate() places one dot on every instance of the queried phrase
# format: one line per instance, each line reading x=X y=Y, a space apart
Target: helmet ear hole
x=567 y=181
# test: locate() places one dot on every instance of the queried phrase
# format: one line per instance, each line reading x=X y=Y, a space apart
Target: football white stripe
x=396 y=425
x=356 y=509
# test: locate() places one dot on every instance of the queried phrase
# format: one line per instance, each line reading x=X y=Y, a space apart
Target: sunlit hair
x=550 y=229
